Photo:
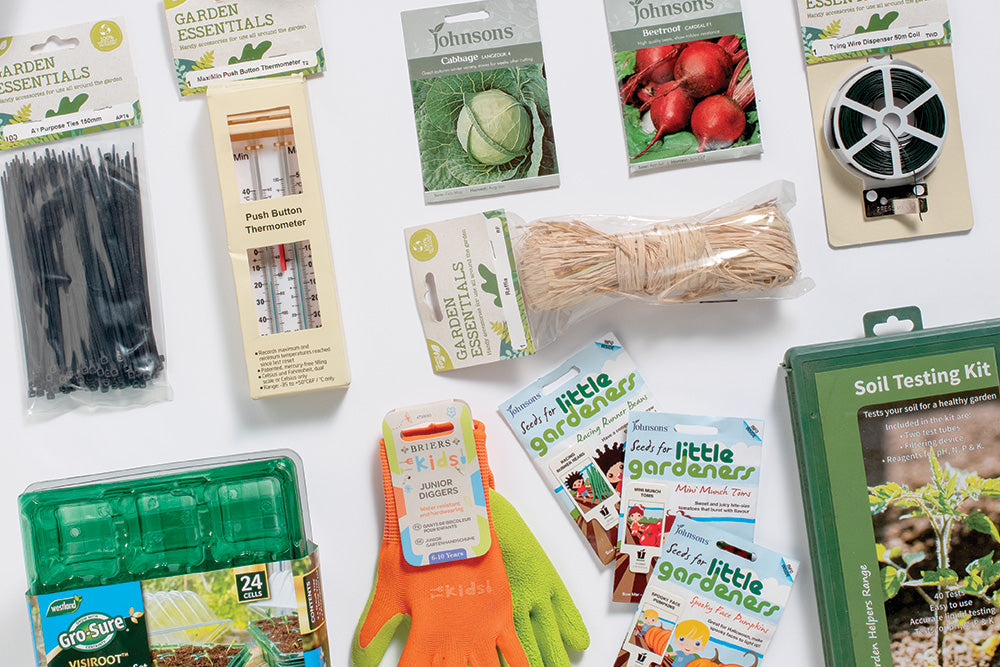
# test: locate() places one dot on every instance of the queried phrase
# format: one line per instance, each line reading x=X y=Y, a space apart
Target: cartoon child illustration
x=649 y=619
x=646 y=533
x=611 y=460
x=635 y=514
x=690 y=636
x=579 y=487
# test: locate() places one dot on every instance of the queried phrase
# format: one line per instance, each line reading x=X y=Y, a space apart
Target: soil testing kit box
x=480 y=98
x=276 y=225
x=215 y=41
x=110 y=558
x=897 y=446
x=885 y=112
x=684 y=81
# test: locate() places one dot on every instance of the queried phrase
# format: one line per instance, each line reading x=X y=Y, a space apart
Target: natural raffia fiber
x=564 y=263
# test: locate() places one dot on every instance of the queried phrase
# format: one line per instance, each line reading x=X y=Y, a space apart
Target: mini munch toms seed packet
x=214 y=41
x=706 y=469
x=572 y=423
x=715 y=599
x=480 y=99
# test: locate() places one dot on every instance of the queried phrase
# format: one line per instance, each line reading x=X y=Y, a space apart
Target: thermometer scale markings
x=277 y=285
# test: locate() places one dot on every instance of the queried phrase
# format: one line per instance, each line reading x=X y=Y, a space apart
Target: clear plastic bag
x=81 y=253
x=570 y=267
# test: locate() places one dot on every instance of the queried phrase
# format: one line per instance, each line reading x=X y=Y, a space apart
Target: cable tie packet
x=481 y=101
x=215 y=41
x=886 y=120
x=705 y=469
x=74 y=196
x=572 y=424
x=431 y=450
x=466 y=290
x=684 y=82
x=715 y=598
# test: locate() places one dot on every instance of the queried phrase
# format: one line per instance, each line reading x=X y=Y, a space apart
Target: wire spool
x=886 y=124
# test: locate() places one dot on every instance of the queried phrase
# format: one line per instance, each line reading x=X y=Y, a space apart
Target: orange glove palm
x=460 y=612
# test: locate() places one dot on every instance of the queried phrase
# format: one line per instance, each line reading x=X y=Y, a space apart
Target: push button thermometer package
x=209 y=560
x=214 y=41
x=885 y=110
x=571 y=423
x=276 y=226
x=705 y=469
x=480 y=98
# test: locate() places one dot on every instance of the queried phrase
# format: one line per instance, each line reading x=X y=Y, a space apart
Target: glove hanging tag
x=437 y=482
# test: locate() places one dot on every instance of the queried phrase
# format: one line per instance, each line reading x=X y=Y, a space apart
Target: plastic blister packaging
x=570 y=267
x=82 y=253
x=164 y=520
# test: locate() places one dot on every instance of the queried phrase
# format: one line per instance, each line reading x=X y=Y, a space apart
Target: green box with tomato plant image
x=896 y=436
x=684 y=81
x=110 y=558
x=480 y=99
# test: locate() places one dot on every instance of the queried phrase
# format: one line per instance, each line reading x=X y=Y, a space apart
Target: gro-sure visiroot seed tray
x=109 y=559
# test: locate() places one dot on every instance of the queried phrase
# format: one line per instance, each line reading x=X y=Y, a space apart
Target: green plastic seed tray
x=238 y=660
x=163 y=521
x=272 y=654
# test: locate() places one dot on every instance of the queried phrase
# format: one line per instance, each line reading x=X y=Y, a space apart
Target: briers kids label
x=572 y=423
x=706 y=469
x=715 y=599
x=435 y=471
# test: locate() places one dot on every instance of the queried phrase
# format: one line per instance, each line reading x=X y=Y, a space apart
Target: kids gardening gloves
x=505 y=601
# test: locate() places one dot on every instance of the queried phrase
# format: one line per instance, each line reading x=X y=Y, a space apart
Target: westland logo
x=64 y=606
x=646 y=10
x=472 y=38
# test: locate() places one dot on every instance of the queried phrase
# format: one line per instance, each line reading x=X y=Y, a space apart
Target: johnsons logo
x=472 y=38
x=646 y=10
x=64 y=606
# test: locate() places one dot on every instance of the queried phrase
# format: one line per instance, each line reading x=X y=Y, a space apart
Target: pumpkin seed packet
x=716 y=599
x=572 y=422
x=706 y=469
x=480 y=99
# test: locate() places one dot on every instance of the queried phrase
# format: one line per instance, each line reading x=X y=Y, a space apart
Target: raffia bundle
x=564 y=263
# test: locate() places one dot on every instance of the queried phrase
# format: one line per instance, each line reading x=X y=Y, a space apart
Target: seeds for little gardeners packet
x=572 y=423
x=706 y=469
x=684 y=81
x=480 y=99
x=715 y=599
x=214 y=40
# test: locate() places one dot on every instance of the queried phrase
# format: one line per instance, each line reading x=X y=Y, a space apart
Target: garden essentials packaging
x=276 y=225
x=704 y=469
x=715 y=599
x=466 y=289
x=215 y=41
x=571 y=422
x=481 y=100
x=77 y=219
x=895 y=436
x=110 y=558
x=491 y=287
x=885 y=111
x=684 y=81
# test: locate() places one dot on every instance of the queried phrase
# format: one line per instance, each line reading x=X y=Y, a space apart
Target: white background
x=718 y=359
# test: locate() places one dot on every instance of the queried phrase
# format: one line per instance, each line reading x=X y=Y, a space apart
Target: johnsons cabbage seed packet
x=480 y=99
x=715 y=599
x=572 y=424
x=706 y=469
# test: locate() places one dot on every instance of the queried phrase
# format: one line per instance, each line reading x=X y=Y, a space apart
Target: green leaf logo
x=68 y=106
x=106 y=36
x=440 y=361
x=5 y=44
x=170 y=4
x=423 y=245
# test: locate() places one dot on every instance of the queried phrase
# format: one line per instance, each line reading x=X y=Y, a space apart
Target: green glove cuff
x=545 y=617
